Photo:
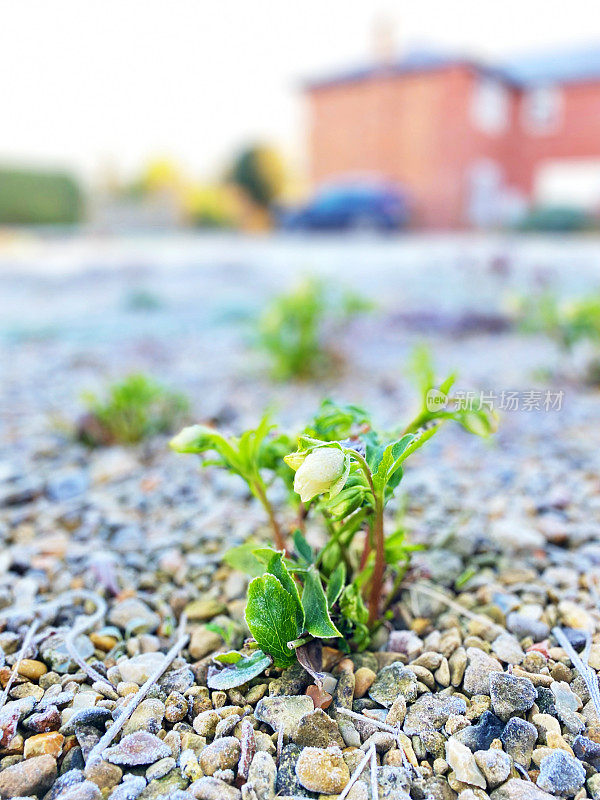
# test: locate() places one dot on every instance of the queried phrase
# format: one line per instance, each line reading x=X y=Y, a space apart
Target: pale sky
x=85 y=83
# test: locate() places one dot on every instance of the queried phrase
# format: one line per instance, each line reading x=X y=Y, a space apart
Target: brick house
x=474 y=145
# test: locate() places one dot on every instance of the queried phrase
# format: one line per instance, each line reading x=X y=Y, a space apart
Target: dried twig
x=581 y=665
x=13 y=674
x=96 y=753
x=357 y=773
x=84 y=623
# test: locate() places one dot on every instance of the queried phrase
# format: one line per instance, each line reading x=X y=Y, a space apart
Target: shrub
x=31 y=197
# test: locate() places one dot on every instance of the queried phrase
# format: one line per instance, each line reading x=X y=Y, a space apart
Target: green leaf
x=271 y=618
x=243 y=559
x=336 y=584
x=390 y=460
x=352 y=605
x=232 y=657
x=276 y=567
x=242 y=671
x=303 y=548
x=318 y=622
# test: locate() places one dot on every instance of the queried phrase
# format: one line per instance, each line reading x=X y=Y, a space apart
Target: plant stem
x=260 y=493
x=379 y=540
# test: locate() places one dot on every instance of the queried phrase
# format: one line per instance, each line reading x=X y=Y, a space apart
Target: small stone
x=137 y=749
x=47 y=720
x=397 y=712
x=406 y=642
x=32 y=670
x=176 y=707
x=545 y=723
x=44 y=744
x=204 y=609
x=457 y=663
x=130 y=789
x=477 y=675
x=391 y=681
x=393 y=782
x=517 y=789
x=148 y=716
x=561 y=773
x=86 y=790
x=160 y=768
x=462 y=761
x=221 y=754
x=203 y=642
x=511 y=695
x=283 y=711
x=317 y=729
x=139 y=668
x=63 y=782
x=495 y=766
x=431 y=712
x=523 y=626
x=519 y=738
x=103 y=774
x=480 y=736
x=29 y=777
x=567 y=704
x=132 y=609
x=322 y=770
x=287 y=781
x=206 y=723
x=508 y=649
x=586 y=750
x=213 y=789
x=262 y=776
x=363 y=680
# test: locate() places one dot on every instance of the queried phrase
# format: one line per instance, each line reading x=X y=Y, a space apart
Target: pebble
x=561 y=773
x=137 y=749
x=160 y=768
x=519 y=738
x=363 y=680
x=283 y=712
x=391 y=681
x=139 y=668
x=317 y=729
x=148 y=716
x=523 y=626
x=508 y=649
x=322 y=770
x=510 y=695
x=517 y=789
x=103 y=774
x=462 y=761
x=481 y=735
x=44 y=744
x=262 y=777
x=223 y=753
x=204 y=609
x=431 y=712
x=86 y=790
x=477 y=674
x=495 y=766
x=133 y=609
x=29 y=777
x=203 y=642
x=208 y=788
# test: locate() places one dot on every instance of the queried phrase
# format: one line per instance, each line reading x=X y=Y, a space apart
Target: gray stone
x=431 y=712
x=137 y=749
x=86 y=790
x=519 y=738
x=133 y=609
x=391 y=681
x=561 y=773
x=516 y=789
x=495 y=765
x=213 y=789
x=477 y=675
x=508 y=649
x=261 y=778
x=317 y=729
x=523 y=626
x=510 y=695
x=480 y=736
x=394 y=783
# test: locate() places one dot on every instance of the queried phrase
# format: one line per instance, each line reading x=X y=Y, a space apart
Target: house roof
x=563 y=66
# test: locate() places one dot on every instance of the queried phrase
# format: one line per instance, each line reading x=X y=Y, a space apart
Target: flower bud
x=325 y=469
x=192 y=439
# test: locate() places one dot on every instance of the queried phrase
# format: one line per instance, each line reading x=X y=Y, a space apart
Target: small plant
x=345 y=473
x=569 y=323
x=292 y=330
x=135 y=408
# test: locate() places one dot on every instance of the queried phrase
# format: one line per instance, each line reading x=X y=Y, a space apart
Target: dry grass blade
x=13 y=674
x=383 y=725
x=587 y=673
x=356 y=774
x=374 y=785
x=84 y=624
x=116 y=727
x=481 y=618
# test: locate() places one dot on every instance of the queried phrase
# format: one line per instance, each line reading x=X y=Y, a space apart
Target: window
x=541 y=110
x=489 y=106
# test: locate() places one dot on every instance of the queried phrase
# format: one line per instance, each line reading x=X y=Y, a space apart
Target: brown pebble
x=364 y=678
x=44 y=744
x=32 y=670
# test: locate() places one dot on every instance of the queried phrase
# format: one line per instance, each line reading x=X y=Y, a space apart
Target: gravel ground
x=469 y=693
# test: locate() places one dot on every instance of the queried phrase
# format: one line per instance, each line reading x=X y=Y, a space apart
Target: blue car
x=369 y=205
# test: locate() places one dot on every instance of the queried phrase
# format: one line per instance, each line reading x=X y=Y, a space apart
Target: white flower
x=325 y=469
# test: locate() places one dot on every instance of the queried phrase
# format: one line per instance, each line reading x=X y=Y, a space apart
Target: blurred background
x=218 y=195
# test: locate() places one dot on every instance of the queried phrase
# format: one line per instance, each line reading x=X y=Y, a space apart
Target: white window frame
x=553 y=96
x=490 y=106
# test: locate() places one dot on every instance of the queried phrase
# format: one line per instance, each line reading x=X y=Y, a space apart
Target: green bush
x=31 y=197
x=556 y=219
